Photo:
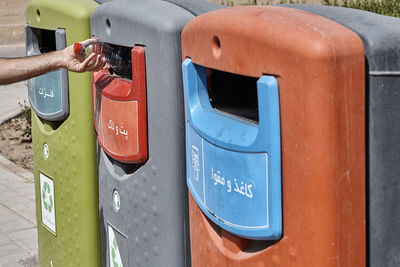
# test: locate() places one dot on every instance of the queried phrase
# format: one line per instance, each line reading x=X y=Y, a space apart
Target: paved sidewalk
x=11 y=95
x=12 y=21
x=18 y=235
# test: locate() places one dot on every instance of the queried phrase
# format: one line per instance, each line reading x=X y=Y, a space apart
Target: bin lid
x=127 y=22
x=234 y=40
x=196 y=7
x=380 y=34
x=102 y=1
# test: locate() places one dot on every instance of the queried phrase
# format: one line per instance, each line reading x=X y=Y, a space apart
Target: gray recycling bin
x=381 y=39
x=139 y=122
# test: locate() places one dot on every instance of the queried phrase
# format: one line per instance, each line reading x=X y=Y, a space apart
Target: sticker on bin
x=45 y=92
x=115 y=256
x=233 y=165
x=119 y=130
x=117 y=248
x=119 y=108
x=231 y=179
x=47 y=202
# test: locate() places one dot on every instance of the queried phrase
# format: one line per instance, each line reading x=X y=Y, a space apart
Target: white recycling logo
x=115 y=257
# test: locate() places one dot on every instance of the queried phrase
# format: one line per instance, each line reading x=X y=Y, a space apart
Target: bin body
x=143 y=200
x=380 y=36
x=318 y=66
x=64 y=145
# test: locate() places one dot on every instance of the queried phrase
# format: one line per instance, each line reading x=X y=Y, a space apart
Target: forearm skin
x=19 y=69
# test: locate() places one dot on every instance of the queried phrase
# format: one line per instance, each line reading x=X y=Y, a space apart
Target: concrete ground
x=12 y=21
x=18 y=235
x=12 y=95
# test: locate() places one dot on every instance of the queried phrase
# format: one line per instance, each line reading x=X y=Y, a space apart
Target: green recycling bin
x=64 y=147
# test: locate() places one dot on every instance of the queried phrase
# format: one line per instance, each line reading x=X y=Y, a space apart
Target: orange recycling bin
x=319 y=69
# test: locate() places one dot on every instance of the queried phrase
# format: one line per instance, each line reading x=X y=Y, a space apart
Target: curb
x=14 y=168
x=10 y=115
x=12 y=50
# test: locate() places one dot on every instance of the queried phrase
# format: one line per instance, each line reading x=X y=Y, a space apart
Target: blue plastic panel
x=45 y=93
x=48 y=93
x=234 y=165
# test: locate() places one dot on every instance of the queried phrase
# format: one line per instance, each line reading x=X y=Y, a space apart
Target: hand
x=79 y=62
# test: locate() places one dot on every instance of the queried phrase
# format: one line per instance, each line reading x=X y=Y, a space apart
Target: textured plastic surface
x=153 y=209
x=196 y=7
x=233 y=165
x=48 y=93
x=120 y=111
x=102 y=1
x=319 y=66
x=71 y=162
x=381 y=39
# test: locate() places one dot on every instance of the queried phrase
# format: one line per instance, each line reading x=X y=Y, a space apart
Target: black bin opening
x=46 y=40
x=120 y=60
x=233 y=94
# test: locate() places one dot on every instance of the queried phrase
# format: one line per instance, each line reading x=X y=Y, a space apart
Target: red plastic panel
x=119 y=108
x=118 y=131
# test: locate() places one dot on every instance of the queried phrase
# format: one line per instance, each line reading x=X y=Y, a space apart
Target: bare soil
x=16 y=141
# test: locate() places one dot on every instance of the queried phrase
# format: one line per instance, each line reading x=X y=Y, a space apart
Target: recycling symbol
x=117 y=201
x=47 y=198
x=116 y=259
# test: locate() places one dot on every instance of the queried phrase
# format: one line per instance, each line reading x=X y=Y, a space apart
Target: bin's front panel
x=48 y=93
x=319 y=66
x=236 y=185
x=381 y=39
x=118 y=130
x=239 y=204
x=65 y=150
x=45 y=92
x=153 y=208
x=120 y=108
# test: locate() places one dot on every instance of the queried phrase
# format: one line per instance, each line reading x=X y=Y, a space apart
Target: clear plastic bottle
x=117 y=57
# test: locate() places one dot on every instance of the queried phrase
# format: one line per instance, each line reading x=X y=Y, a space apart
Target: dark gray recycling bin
x=381 y=39
x=139 y=122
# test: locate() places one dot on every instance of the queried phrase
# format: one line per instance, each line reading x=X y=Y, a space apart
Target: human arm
x=19 y=69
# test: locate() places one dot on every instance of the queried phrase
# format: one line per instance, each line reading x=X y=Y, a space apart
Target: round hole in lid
x=38 y=15
x=216 y=47
x=108 y=24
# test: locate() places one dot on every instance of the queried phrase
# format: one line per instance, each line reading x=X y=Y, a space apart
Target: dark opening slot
x=46 y=40
x=120 y=60
x=51 y=125
x=215 y=227
x=234 y=94
x=249 y=246
x=256 y=246
x=121 y=168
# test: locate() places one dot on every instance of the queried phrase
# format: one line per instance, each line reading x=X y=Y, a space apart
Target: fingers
x=89 y=41
x=84 y=66
x=99 y=64
x=103 y=65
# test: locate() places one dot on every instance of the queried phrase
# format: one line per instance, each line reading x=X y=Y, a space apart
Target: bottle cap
x=77 y=48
